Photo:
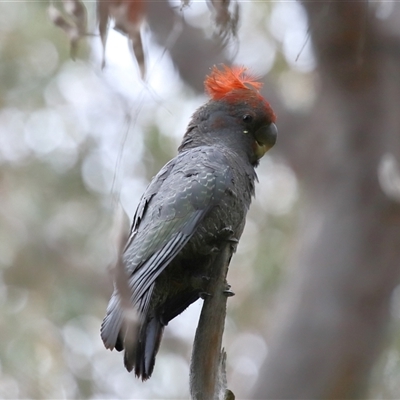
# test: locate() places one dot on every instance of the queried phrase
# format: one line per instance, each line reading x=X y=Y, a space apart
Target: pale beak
x=265 y=139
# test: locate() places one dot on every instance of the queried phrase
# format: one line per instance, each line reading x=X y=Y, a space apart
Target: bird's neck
x=197 y=136
x=237 y=158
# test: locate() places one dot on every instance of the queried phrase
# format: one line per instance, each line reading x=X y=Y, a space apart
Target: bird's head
x=237 y=115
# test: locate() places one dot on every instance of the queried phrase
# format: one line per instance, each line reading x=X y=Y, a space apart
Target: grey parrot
x=197 y=201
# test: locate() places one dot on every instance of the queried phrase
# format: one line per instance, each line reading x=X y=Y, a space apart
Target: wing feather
x=148 y=272
x=192 y=186
x=168 y=215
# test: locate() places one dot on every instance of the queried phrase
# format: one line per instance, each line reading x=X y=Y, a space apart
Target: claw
x=227 y=233
x=228 y=293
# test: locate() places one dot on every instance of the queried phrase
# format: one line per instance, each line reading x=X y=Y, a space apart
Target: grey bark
x=334 y=312
x=207 y=366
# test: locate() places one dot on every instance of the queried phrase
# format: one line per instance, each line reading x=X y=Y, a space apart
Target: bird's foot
x=204 y=295
x=228 y=235
x=205 y=280
x=214 y=250
x=227 y=291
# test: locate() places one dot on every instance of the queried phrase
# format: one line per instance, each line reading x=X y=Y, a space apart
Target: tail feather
x=112 y=324
x=140 y=337
x=142 y=354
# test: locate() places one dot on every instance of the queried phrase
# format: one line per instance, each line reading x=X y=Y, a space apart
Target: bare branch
x=207 y=367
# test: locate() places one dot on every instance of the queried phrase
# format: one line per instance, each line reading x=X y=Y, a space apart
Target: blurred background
x=75 y=139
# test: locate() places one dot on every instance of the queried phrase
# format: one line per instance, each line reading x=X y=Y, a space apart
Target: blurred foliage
x=73 y=138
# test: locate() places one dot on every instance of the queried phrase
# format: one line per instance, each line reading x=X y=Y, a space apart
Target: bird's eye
x=247 y=118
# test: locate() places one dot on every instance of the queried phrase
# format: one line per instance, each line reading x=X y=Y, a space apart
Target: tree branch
x=207 y=367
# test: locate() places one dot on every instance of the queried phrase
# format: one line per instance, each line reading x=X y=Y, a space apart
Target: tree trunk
x=335 y=307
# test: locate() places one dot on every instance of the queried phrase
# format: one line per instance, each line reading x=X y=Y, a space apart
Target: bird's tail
x=140 y=339
x=111 y=327
x=141 y=355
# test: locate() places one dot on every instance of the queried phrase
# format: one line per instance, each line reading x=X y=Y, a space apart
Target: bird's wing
x=178 y=198
x=171 y=208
